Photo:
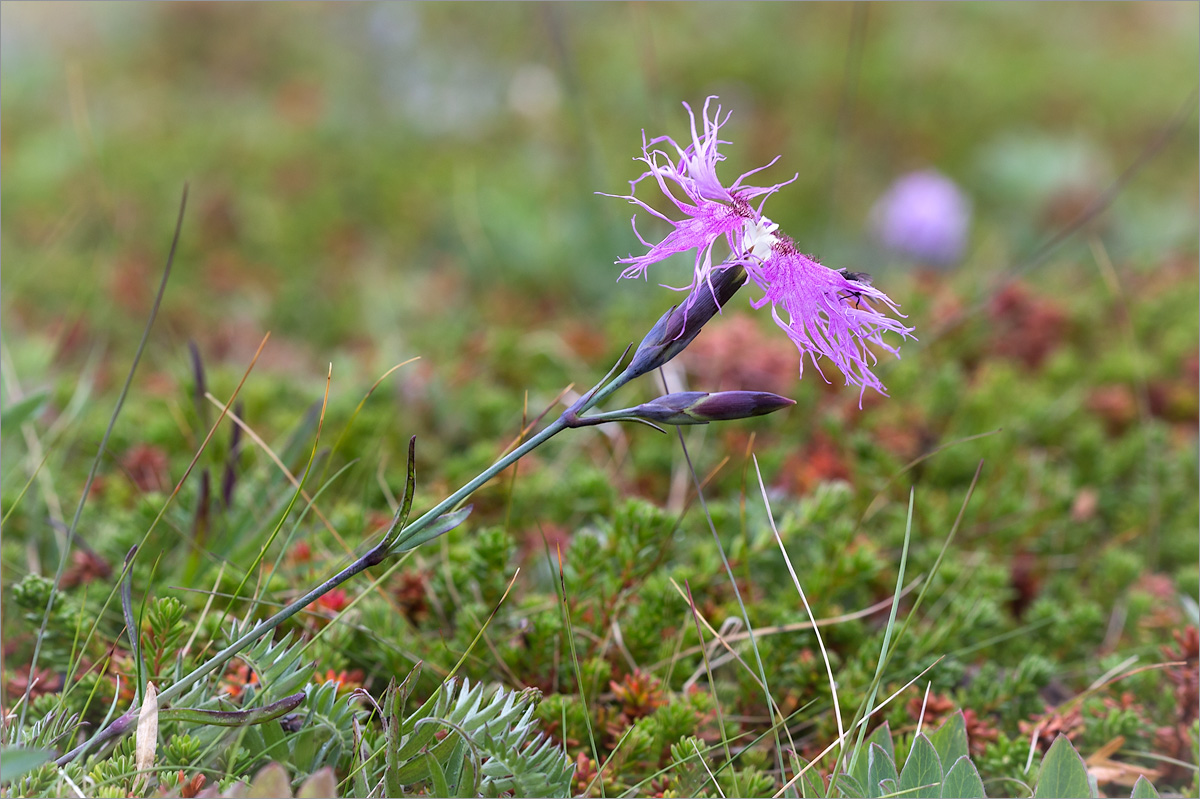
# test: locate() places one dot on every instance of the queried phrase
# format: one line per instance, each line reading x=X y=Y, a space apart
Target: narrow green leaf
x=888 y=787
x=811 y=784
x=304 y=750
x=881 y=735
x=454 y=764
x=1063 y=773
x=922 y=772
x=273 y=736
x=21 y=411
x=415 y=770
x=879 y=768
x=407 y=500
x=437 y=776
x=1143 y=789
x=468 y=781
x=442 y=524
x=233 y=718
x=850 y=788
x=16 y=761
x=950 y=739
x=962 y=781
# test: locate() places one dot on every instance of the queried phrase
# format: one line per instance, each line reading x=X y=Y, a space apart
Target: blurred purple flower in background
x=923 y=216
x=823 y=311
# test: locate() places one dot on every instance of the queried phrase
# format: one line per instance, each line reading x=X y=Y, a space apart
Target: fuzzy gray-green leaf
x=881 y=735
x=442 y=524
x=849 y=787
x=950 y=739
x=962 y=781
x=879 y=767
x=922 y=772
x=1143 y=789
x=1063 y=773
x=16 y=761
x=811 y=784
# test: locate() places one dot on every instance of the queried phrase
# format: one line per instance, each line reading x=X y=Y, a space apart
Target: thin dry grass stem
x=711 y=776
x=837 y=708
x=513 y=680
x=262 y=550
x=516 y=467
x=463 y=658
x=36 y=451
x=389 y=496
x=361 y=403
x=377 y=584
x=619 y=641
x=204 y=612
x=860 y=723
x=797 y=626
x=720 y=638
x=745 y=471
x=528 y=428
x=924 y=702
x=283 y=469
x=19 y=497
x=291 y=478
x=712 y=687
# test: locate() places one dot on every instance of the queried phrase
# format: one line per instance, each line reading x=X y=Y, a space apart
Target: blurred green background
x=385 y=180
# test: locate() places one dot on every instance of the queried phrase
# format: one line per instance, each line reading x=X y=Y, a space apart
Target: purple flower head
x=923 y=216
x=711 y=211
x=823 y=311
x=827 y=312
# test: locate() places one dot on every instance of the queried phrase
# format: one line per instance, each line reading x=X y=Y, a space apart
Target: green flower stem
x=589 y=400
x=373 y=557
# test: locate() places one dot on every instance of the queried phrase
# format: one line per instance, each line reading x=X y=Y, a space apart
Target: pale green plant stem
x=373 y=557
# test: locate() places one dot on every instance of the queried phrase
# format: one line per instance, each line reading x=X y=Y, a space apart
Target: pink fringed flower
x=823 y=311
x=827 y=312
x=712 y=211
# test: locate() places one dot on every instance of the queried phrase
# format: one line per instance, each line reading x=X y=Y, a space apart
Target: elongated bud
x=679 y=326
x=700 y=407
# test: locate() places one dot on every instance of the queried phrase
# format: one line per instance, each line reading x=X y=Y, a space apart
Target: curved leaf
x=233 y=718
x=962 y=781
x=16 y=761
x=21 y=411
x=879 y=768
x=849 y=787
x=1143 y=789
x=950 y=739
x=881 y=735
x=442 y=524
x=922 y=772
x=1063 y=773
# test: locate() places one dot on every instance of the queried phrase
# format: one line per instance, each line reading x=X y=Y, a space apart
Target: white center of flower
x=758 y=236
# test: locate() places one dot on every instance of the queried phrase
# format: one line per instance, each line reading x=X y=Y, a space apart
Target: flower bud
x=679 y=326
x=700 y=407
